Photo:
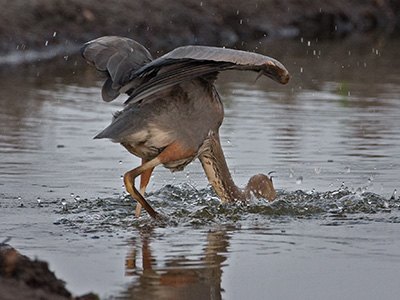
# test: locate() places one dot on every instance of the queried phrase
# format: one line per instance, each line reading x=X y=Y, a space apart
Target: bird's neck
x=217 y=171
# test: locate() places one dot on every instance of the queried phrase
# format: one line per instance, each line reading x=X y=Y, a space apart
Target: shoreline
x=44 y=29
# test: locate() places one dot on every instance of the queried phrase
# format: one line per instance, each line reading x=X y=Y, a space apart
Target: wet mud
x=23 y=278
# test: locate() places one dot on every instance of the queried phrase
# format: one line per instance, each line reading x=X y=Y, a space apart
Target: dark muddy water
x=332 y=135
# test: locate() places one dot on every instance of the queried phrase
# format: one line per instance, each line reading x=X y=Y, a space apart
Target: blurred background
x=62 y=26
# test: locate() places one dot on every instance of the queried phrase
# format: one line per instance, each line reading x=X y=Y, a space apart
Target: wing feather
x=185 y=63
x=129 y=67
x=115 y=58
x=174 y=74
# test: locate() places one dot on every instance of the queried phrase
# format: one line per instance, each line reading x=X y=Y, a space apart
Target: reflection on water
x=181 y=275
x=331 y=136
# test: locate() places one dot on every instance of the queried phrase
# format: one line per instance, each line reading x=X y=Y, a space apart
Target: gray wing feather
x=115 y=58
x=185 y=63
x=216 y=54
x=129 y=67
x=124 y=124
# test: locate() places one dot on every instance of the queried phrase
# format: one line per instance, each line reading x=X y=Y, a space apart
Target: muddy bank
x=22 y=278
x=162 y=25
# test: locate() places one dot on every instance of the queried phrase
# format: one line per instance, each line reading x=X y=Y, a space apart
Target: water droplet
x=64 y=203
x=77 y=198
x=317 y=170
x=394 y=195
x=347 y=169
x=291 y=173
x=46 y=43
x=299 y=180
x=120 y=162
x=72 y=195
x=301 y=70
x=54 y=33
x=309 y=43
x=39 y=200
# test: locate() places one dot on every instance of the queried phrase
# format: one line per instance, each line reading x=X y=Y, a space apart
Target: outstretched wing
x=115 y=58
x=185 y=63
x=129 y=68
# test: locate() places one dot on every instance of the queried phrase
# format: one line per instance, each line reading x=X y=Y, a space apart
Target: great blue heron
x=174 y=112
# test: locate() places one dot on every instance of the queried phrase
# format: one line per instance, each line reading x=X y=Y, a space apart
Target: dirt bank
x=22 y=278
x=158 y=24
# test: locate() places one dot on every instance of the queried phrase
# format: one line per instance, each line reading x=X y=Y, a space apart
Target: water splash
x=187 y=206
x=64 y=204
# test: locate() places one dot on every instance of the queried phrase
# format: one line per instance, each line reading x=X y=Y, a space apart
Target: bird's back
x=183 y=113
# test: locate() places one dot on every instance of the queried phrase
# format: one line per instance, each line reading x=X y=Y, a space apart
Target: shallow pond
x=332 y=136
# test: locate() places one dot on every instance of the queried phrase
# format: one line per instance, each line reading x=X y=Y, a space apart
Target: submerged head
x=260 y=186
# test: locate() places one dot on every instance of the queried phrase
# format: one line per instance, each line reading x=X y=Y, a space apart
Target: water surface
x=332 y=136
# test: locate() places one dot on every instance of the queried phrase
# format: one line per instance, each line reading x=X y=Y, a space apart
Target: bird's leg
x=129 y=180
x=172 y=152
x=144 y=181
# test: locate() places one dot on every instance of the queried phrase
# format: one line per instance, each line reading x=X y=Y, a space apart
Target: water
x=332 y=136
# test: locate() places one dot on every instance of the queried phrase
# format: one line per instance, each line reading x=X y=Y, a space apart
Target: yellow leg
x=129 y=180
x=144 y=181
x=172 y=152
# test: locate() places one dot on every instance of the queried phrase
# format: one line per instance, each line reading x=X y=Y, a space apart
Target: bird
x=173 y=111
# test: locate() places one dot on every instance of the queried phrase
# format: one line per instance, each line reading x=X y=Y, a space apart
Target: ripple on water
x=187 y=206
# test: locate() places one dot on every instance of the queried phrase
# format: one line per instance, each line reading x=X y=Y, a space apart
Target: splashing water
x=187 y=206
